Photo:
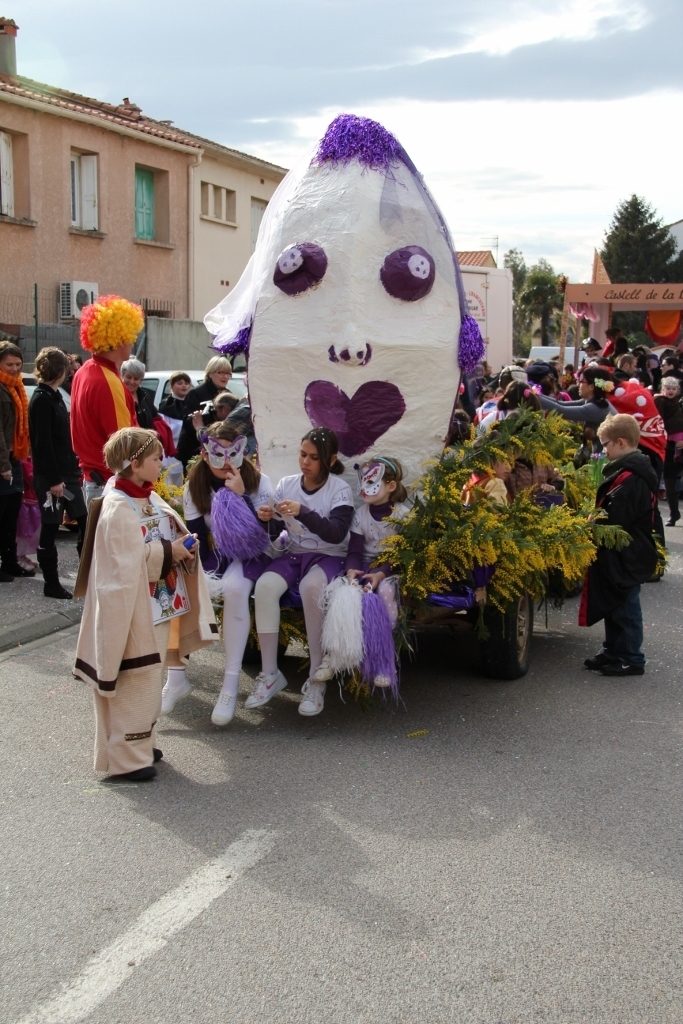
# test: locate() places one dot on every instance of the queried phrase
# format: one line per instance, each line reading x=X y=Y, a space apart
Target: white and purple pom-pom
x=342 y=637
x=471 y=346
x=379 y=653
x=237 y=532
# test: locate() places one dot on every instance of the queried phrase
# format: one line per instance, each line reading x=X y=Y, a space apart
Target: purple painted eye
x=300 y=267
x=408 y=273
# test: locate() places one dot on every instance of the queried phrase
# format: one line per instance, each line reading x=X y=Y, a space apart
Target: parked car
x=157 y=381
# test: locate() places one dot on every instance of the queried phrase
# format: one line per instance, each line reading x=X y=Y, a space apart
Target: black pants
x=672 y=472
x=49 y=531
x=10 y=504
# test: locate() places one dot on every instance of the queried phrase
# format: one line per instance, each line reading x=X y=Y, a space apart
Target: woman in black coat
x=56 y=476
x=216 y=378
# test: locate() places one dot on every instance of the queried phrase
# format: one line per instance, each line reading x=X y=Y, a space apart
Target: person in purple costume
x=222 y=465
x=316 y=509
x=384 y=497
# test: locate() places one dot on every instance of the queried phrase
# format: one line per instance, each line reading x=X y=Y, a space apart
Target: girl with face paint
x=384 y=496
x=222 y=465
x=317 y=508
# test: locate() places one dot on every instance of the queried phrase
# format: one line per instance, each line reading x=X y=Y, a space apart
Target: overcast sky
x=529 y=119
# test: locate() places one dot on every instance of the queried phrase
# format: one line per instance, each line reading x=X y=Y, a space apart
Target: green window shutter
x=144 y=203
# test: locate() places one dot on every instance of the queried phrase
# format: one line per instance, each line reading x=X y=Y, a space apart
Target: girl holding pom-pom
x=221 y=496
x=317 y=509
x=384 y=497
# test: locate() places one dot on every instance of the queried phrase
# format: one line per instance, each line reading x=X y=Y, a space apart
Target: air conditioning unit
x=74 y=296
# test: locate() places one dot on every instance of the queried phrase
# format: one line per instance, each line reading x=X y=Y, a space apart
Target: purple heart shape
x=358 y=421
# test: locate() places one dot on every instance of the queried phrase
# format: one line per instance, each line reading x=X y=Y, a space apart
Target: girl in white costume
x=317 y=509
x=222 y=464
x=384 y=497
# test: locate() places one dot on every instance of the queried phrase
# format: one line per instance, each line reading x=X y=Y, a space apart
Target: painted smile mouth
x=350 y=356
x=358 y=421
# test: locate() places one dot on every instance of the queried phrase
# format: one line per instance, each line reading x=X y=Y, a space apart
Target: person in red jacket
x=100 y=404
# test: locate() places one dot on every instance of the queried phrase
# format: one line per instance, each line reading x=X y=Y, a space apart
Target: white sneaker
x=177 y=686
x=224 y=708
x=265 y=687
x=323 y=672
x=382 y=681
x=314 y=698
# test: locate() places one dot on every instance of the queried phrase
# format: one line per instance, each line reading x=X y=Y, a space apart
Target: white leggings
x=387 y=591
x=269 y=589
x=236 y=620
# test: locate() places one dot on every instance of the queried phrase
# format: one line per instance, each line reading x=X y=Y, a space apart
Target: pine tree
x=638 y=247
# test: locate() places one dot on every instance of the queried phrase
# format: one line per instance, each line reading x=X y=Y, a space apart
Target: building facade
x=106 y=199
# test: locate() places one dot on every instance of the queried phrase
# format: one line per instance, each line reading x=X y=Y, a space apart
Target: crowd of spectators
x=51 y=463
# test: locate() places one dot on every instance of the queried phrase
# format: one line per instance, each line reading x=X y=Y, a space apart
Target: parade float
x=352 y=316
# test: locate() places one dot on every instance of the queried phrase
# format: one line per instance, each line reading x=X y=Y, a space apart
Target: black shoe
x=158 y=754
x=6 y=578
x=672 y=520
x=55 y=589
x=622 y=668
x=139 y=775
x=599 y=660
x=17 y=571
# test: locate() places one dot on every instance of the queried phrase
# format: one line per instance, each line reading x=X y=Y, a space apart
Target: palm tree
x=541 y=296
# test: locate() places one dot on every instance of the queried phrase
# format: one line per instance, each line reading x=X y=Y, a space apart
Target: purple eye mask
x=218 y=453
x=370 y=480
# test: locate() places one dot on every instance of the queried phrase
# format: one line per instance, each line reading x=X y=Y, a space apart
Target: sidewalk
x=26 y=615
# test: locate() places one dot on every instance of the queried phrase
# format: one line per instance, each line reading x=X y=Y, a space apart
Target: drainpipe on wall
x=190 y=233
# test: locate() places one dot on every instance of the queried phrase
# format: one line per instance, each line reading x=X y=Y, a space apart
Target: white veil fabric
x=230 y=321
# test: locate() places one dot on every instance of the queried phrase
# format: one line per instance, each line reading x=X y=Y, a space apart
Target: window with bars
x=218 y=203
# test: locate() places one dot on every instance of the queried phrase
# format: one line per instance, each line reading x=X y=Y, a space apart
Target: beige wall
x=49 y=253
x=222 y=251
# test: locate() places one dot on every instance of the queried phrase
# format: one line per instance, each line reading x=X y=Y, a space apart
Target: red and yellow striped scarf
x=15 y=386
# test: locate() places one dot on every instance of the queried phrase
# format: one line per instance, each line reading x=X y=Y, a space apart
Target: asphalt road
x=519 y=860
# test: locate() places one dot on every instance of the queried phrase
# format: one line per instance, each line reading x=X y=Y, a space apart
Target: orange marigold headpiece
x=109 y=323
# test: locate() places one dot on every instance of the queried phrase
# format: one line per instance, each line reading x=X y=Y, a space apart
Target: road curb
x=39 y=626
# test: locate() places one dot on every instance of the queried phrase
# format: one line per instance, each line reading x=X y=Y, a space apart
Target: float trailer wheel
x=507 y=651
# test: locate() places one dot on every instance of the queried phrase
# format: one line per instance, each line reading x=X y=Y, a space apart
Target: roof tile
x=126 y=114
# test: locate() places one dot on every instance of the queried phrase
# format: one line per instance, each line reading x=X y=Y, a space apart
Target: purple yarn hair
x=240 y=343
x=471 y=346
x=358 y=138
x=237 y=532
x=379 y=653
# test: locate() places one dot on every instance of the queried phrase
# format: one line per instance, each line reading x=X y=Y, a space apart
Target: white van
x=547 y=352
x=158 y=382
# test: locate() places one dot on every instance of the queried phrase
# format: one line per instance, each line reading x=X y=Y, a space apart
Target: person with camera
x=202 y=400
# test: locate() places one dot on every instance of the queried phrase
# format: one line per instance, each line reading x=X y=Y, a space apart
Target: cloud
x=524 y=24
x=218 y=69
